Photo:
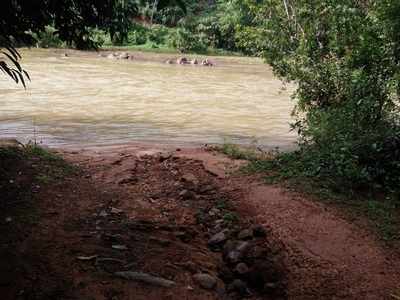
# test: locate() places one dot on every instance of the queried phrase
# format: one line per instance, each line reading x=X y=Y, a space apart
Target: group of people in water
x=194 y=61
x=180 y=61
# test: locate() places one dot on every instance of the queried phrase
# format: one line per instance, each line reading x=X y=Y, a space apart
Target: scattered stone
x=214 y=212
x=116 y=210
x=103 y=214
x=245 y=234
x=119 y=247
x=162 y=242
x=205 y=281
x=164 y=156
x=225 y=273
x=187 y=195
x=233 y=257
x=271 y=287
x=242 y=268
x=86 y=258
x=263 y=272
x=183 y=236
x=259 y=231
x=130 y=180
x=229 y=247
x=218 y=238
x=239 y=286
x=243 y=248
x=258 y=252
x=146 y=278
x=206 y=188
x=190 y=180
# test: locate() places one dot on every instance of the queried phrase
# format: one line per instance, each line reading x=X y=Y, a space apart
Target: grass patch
x=381 y=210
x=24 y=172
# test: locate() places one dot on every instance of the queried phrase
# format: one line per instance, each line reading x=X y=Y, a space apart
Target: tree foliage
x=343 y=56
x=21 y=21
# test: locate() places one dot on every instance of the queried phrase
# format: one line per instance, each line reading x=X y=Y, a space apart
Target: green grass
x=52 y=166
x=382 y=211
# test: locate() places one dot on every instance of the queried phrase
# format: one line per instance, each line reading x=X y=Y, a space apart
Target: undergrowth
x=380 y=208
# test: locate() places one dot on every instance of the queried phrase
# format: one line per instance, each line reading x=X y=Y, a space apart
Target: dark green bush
x=186 y=41
x=344 y=58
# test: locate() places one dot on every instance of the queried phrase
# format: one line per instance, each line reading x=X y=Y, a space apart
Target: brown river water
x=84 y=99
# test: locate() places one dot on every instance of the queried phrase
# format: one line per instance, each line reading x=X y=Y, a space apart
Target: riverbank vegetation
x=343 y=56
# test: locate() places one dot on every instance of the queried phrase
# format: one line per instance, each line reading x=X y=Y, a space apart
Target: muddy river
x=84 y=99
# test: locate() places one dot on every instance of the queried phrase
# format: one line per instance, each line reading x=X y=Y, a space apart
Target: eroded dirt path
x=177 y=213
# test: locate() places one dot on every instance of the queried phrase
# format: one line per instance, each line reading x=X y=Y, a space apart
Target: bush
x=158 y=34
x=186 y=41
x=138 y=35
x=344 y=59
x=48 y=38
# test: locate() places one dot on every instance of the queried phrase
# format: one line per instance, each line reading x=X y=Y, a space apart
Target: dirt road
x=157 y=222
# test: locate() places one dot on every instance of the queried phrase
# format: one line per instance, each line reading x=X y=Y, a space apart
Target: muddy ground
x=159 y=222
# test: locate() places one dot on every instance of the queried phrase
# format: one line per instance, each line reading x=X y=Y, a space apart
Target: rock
x=242 y=268
x=116 y=210
x=229 y=247
x=225 y=273
x=146 y=278
x=271 y=287
x=243 y=248
x=103 y=214
x=187 y=195
x=119 y=247
x=194 y=62
x=259 y=231
x=239 y=286
x=263 y=272
x=246 y=234
x=110 y=56
x=183 y=236
x=206 y=188
x=169 y=61
x=182 y=61
x=190 y=180
x=162 y=242
x=164 y=156
x=218 y=238
x=233 y=257
x=214 y=212
x=258 y=252
x=205 y=281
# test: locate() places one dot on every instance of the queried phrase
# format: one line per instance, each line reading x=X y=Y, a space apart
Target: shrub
x=186 y=41
x=48 y=38
x=344 y=58
x=158 y=34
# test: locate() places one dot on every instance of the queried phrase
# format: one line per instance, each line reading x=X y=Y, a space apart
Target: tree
x=73 y=20
x=344 y=56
